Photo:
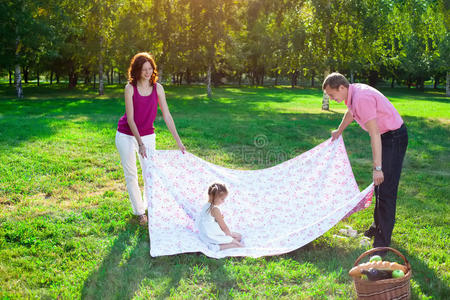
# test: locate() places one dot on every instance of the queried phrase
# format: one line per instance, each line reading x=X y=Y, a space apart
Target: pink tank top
x=145 y=109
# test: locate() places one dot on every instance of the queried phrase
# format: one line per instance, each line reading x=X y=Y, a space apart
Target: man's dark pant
x=394 y=144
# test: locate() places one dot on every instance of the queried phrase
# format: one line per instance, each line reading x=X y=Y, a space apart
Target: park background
x=233 y=71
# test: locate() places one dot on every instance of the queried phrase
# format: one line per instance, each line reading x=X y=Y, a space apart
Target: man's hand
x=378 y=177
x=346 y=120
x=335 y=134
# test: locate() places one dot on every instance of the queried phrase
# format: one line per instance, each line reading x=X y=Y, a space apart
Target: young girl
x=212 y=228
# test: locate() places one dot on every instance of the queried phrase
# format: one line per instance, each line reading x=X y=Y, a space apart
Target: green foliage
x=403 y=40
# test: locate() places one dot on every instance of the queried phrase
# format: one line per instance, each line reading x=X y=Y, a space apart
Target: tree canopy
x=399 y=40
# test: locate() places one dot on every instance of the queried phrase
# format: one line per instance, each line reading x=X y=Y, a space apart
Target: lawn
x=66 y=227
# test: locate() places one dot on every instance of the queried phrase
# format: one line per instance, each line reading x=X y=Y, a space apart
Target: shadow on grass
x=14 y=131
x=123 y=274
x=429 y=95
x=427 y=279
x=128 y=267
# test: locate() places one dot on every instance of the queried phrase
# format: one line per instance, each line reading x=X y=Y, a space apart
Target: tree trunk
x=100 y=68
x=276 y=79
x=37 y=75
x=325 y=98
x=160 y=74
x=95 y=76
x=18 y=79
x=17 y=75
x=392 y=82
x=25 y=74
x=208 y=81
x=373 y=78
x=436 y=81
x=101 y=90
x=107 y=77
x=251 y=78
x=73 y=79
x=300 y=78
x=294 y=78
x=420 y=84
x=10 y=76
x=57 y=78
x=239 y=79
x=87 y=78
x=325 y=101
x=118 y=77
x=51 y=77
x=112 y=75
x=352 y=78
x=188 y=76
x=313 y=73
x=447 y=85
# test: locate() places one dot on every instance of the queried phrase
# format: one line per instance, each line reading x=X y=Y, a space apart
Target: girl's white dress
x=209 y=230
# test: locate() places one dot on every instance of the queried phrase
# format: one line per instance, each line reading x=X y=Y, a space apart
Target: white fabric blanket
x=277 y=210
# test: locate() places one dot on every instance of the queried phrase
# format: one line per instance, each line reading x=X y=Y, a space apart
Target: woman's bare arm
x=167 y=116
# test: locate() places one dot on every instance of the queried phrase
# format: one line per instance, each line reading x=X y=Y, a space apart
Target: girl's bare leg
x=233 y=244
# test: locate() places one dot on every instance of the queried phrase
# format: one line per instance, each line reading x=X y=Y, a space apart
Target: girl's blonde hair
x=215 y=190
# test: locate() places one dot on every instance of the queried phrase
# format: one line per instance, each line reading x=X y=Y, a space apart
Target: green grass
x=66 y=227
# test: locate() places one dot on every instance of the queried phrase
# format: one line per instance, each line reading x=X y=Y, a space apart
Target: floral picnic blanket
x=277 y=209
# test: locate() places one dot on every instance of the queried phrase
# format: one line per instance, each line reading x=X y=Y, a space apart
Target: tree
x=24 y=30
x=99 y=31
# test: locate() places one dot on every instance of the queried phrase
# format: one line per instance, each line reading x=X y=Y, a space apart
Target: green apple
x=397 y=274
x=375 y=258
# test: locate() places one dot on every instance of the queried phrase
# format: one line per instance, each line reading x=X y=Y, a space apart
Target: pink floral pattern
x=277 y=210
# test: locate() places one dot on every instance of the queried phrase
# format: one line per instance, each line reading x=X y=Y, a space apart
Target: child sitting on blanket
x=212 y=228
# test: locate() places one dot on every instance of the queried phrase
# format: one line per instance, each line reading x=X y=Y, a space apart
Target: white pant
x=128 y=147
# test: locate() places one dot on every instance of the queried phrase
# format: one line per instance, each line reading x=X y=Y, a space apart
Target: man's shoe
x=370 y=232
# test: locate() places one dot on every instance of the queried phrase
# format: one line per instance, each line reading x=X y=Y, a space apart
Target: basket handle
x=370 y=251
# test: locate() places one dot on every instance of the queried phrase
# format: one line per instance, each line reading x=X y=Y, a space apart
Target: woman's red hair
x=134 y=71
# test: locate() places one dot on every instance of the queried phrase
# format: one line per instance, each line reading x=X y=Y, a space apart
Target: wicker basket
x=393 y=288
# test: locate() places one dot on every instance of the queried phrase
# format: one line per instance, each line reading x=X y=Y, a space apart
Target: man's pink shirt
x=366 y=103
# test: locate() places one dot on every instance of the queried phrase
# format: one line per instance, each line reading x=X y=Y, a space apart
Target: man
x=388 y=138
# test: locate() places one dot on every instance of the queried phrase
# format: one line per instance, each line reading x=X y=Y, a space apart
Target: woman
x=135 y=131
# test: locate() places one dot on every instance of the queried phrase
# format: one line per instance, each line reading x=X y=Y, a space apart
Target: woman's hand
x=181 y=147
x=142 y=151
